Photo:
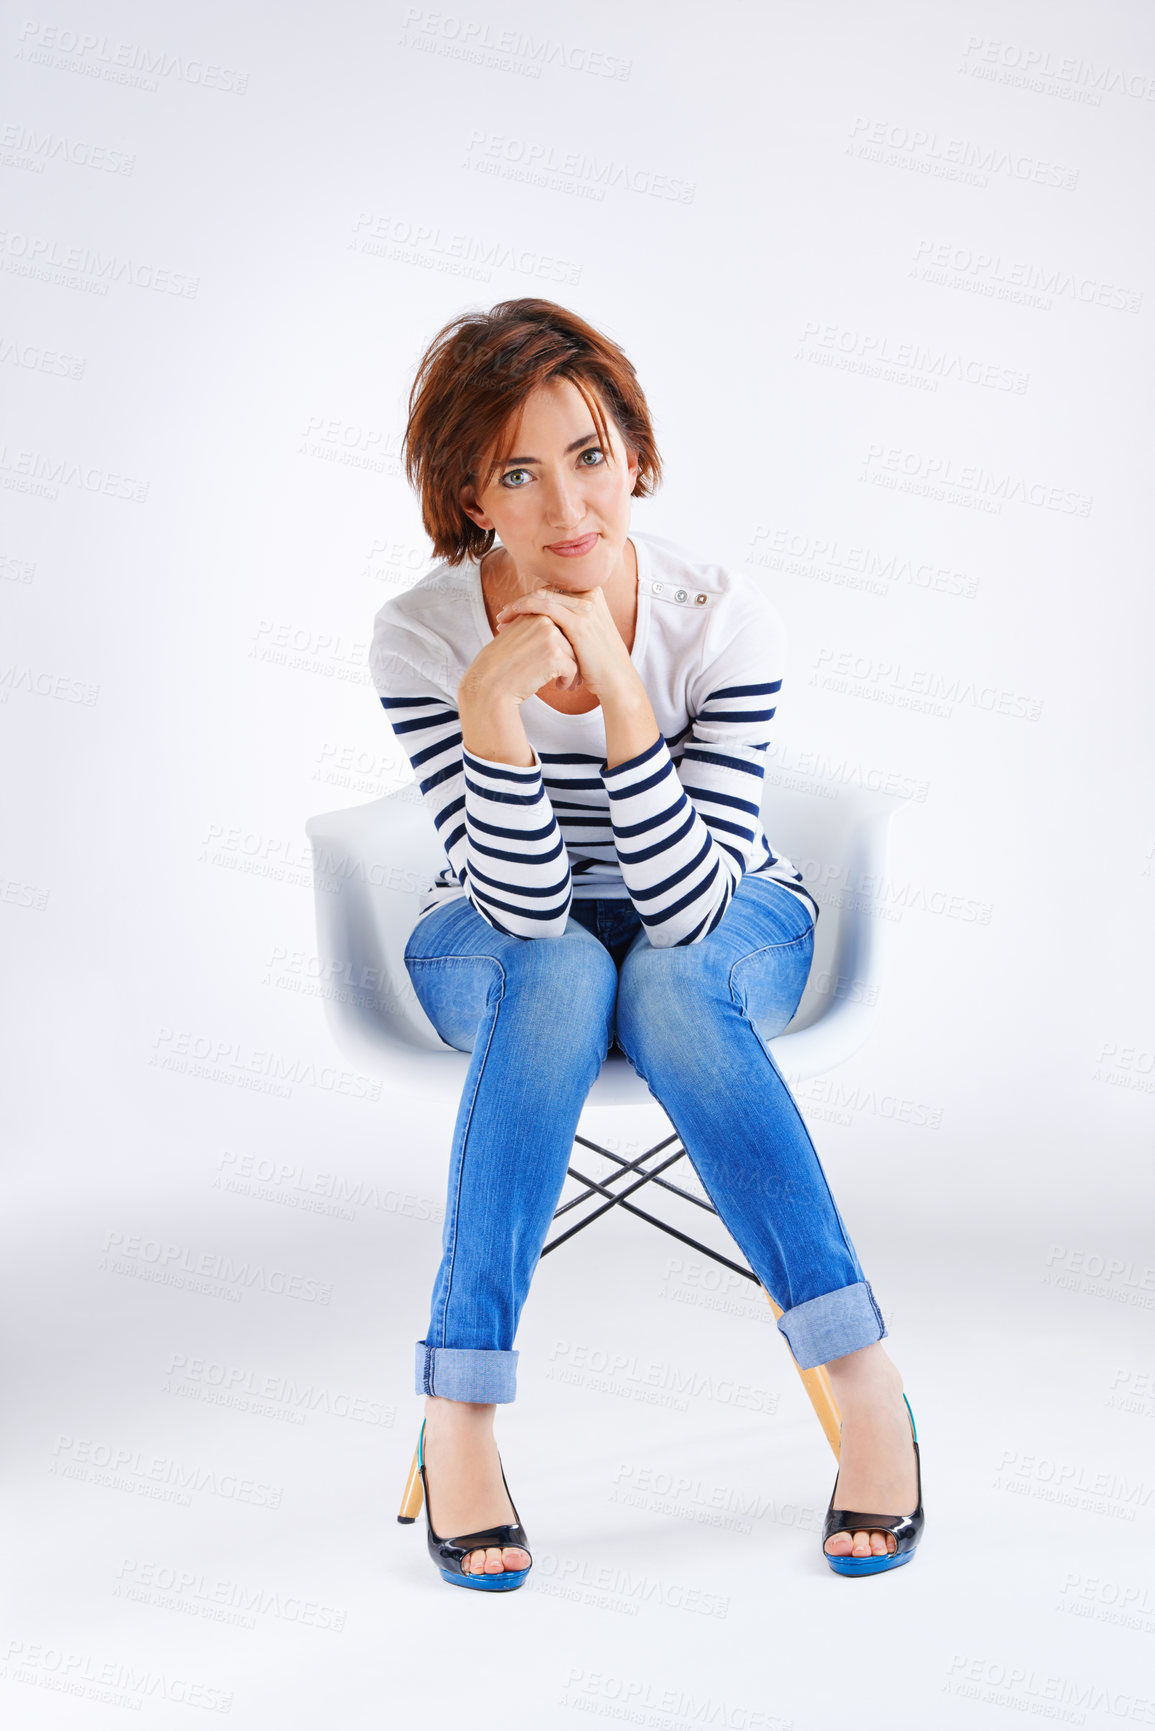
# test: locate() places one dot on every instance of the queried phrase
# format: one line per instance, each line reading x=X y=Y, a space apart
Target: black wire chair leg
x=815 y=1380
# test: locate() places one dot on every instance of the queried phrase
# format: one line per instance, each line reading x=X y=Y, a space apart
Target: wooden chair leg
x=414 y=1494
x=817 y=1385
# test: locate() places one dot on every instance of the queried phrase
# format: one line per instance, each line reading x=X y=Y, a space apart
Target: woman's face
x=558 y=488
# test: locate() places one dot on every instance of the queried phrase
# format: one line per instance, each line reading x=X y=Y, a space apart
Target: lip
x=573 y=549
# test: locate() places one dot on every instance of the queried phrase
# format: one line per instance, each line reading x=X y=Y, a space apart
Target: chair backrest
x=372 y=866
x=374 y=863
x=837 y=839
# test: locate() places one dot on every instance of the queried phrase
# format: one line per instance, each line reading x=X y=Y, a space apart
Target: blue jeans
x=539 y=1015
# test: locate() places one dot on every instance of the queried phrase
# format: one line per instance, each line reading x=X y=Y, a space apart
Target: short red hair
x=469 y=387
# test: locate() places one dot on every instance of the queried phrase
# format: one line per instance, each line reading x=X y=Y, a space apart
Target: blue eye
x=592 y=451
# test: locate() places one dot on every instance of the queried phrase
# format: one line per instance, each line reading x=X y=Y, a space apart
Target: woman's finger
x=539 y=595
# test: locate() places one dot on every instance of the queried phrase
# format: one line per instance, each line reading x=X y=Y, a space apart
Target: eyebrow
x=576 y=446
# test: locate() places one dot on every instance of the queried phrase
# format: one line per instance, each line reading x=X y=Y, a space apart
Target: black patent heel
x=449 y=1554
x=906 y=1529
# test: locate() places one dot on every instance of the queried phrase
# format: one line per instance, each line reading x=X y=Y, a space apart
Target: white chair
x=374 y=862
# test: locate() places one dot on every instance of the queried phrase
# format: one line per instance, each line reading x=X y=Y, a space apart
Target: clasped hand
x=584 y=618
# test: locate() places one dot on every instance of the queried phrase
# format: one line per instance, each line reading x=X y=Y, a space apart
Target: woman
x=587 y=713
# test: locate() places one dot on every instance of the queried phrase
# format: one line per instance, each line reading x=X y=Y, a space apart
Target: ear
x=473 y=510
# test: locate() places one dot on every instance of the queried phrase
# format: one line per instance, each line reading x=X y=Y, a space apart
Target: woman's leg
x=695 y=1022
x=537 y=1016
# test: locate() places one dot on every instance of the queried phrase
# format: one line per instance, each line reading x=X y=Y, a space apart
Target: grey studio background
x=886 y=276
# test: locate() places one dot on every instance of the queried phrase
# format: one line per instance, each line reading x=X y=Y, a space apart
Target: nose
x=564 y=507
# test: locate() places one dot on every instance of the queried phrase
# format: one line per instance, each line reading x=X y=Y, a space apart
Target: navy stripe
x=424 y=722
x=744 y=690
x=594 y=786
x=432 y=781
x=736 y=715
x=555 y=890
x=699 y=931
x=686 y=901
x=414 y=703
x=512 y=908
x=652 y=822
x=569 y=817
x=667 y=769
x=757 y=770
x=632 y=762
x=479 y=766
x=519 y=858
x=449 y=744
x=678 y=877
x=514 y=834
x=659 y=847
x=722 y=798
x=500 y=797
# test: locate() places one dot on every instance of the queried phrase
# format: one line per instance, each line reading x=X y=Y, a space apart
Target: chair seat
x=373 y=864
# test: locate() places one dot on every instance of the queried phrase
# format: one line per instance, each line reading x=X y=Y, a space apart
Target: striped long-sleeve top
x=674 y=828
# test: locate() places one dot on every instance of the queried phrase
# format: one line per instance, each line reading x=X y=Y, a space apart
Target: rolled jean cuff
x=466 y=1373
x=832 y=1325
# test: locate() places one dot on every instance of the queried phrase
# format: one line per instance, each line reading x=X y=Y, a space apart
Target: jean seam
x=762 y=1047
x=850 y=1251
x=480 y=956
x=690 y=1157
x=786 y=944
x=874 y=1304
x=451 y=1249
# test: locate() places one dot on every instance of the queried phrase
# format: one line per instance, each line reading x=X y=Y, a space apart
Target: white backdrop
x=885 y=274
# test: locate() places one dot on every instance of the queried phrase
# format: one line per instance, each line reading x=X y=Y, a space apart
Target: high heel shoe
x=449 y=1554
x=907 y=1529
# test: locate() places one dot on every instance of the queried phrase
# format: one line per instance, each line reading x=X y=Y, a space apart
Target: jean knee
x=662 y=989
x=570 y=980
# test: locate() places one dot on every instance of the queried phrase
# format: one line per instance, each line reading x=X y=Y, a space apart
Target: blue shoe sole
x=514 y=1534
x=867 y=1565
x=876 y=1565
x=503 y=1583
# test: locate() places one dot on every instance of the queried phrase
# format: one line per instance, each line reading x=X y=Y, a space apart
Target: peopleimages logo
x=651 y=1380
x=1025 y=64
x=117 y=1683
x=216 y=1266
x=231 y=1061
x=215 y=1597
x=235 y=1385
x=159 y=1476
x=1024 y=1689
x=134 y=63
x=288 y=1181
x=482 y=43
x=887 y=681
x=644 y=1701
